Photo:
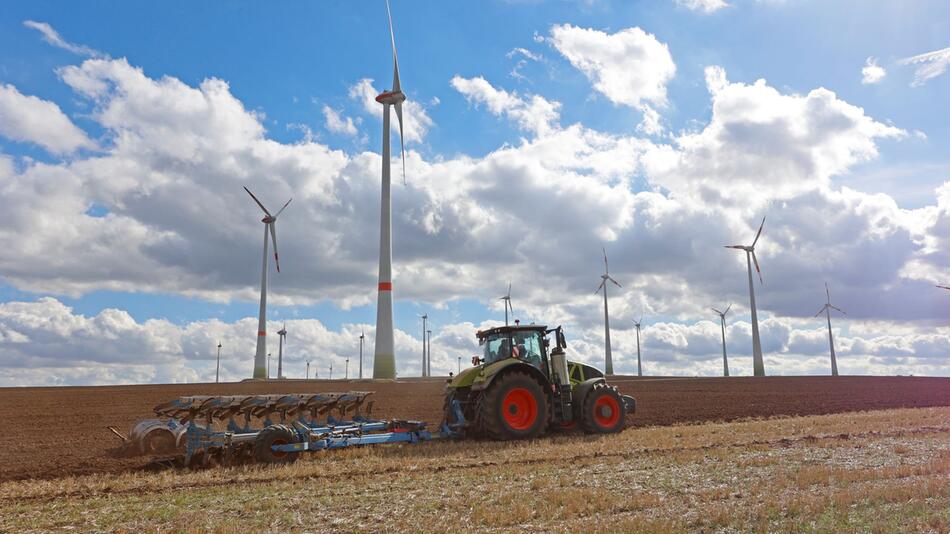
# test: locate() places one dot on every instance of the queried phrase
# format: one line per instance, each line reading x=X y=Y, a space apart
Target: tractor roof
x=511 y=328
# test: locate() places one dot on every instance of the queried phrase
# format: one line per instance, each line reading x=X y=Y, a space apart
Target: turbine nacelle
x=391 y=97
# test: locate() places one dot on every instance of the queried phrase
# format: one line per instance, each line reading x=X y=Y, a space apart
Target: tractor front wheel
x=514 y=407
x=603 y=411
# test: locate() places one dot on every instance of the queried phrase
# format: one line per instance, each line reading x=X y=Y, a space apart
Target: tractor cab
x=526 y=343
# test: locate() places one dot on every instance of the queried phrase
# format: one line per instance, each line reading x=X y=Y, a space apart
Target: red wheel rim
x=520 y=409
x=278 y=454
x=606 y=411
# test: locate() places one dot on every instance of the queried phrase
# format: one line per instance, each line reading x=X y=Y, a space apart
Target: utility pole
x=429 y=354
x=217 y=367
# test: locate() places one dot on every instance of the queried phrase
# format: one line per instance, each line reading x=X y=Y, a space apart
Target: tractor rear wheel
x=603 y=411
x=274 y=435
x=514 y=407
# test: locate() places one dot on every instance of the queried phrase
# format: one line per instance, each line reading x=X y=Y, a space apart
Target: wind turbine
x=943 y=287
x=362 y=336
x=758 y=364
x=217 y=366
x=722 y=324
x=425 y=317
x=384 y=361
x=609 y=363
x=429 y=354
x=639 y=366
x=507 y=299
x=282 y=334
x=260 y=357
x=831 y=341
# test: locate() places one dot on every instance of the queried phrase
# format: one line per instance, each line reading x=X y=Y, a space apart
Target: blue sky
x=285 y=63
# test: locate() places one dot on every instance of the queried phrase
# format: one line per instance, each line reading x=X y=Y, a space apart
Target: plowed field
x=54 y=432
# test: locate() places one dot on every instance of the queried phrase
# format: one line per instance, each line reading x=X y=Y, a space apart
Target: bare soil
x=61 y=431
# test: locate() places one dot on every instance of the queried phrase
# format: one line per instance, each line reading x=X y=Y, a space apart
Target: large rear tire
x=514 y=407
x=603 y=410
x=274 y=435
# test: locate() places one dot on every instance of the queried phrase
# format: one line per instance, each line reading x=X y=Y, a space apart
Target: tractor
x=521 y=386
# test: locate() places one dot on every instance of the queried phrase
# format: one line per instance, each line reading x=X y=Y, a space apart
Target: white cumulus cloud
x=30 y=119
x=337 y=123
x=705 y=6
x=630 y=67
x=532 y=113
x=872 y=73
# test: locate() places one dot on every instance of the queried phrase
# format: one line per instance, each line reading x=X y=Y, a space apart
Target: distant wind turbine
x=384 y=361
x=608 y=359
x=362 y=336
x=831 y=341
x=270 y=221
x=722 y=324
x=639 y=366
x=282 y=333
x=507 y=299
x=425 y=318
x=758 y=364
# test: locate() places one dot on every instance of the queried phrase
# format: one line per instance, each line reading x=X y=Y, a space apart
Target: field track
x=55 y=432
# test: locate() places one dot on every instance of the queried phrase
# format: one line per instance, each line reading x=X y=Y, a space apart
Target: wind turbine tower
x=270 y=221
x=831 y=341
x=384 y=361
x=362 y=336
x=609 y=363
x=282 y=333
x=722 y=324
x=639 y=366
x=425 y=318
x=507 y=299
x=758 y=365
x=217 y=366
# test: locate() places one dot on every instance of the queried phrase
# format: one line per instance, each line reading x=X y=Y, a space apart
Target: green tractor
x=522 y=385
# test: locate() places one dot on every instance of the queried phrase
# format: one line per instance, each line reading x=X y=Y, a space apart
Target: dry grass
x=873 y=471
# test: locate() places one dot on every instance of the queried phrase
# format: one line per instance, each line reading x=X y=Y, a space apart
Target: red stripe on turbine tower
x=261 y=333
x=385 y=286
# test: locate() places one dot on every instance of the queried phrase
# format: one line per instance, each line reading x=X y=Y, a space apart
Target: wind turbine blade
x=740 y=247
x=508 y=294
x=614 y=281
x=402 y=141
x=281 y=210
x=839 y=309
x=273 y=236
x=258 y=201
x=821 y=310
x=757 y=234
x=640 y=320
x=392 y=36
x=943 y=287
x=602 y=282
x=727 y=309
x=827 y=292
x=717 y=311
x=754 y=260
x=606 y=270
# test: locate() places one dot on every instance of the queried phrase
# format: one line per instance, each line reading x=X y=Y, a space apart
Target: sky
x=538 y=134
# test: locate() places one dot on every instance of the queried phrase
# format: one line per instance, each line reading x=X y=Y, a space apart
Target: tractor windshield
x=524 y=345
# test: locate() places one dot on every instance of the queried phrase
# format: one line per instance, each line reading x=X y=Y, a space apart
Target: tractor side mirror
x=475 y=361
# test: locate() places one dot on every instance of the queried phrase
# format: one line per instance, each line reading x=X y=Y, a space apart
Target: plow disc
x=203 y=430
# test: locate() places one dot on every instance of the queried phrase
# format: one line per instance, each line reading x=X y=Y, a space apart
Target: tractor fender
x=581 y=390
x=493 y=371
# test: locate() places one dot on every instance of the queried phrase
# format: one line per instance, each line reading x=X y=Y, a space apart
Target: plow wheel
x=158 y=441
x=514 y=408
x=603 y=411
x=274 y=435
